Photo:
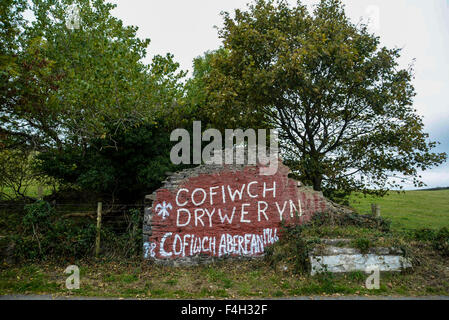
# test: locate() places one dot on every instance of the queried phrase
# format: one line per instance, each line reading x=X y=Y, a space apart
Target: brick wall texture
x=212 y=212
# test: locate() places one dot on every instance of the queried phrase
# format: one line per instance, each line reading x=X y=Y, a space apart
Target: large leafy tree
x=97 y=115
x=11 y=26
x=343 y=107
x=74 y=85
x=197 y=97
x=135 y=166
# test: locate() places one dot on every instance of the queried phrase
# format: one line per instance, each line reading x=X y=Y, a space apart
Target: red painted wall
x=227 y=213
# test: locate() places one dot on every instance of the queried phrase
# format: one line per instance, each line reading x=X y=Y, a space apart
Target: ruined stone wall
x=213 y=212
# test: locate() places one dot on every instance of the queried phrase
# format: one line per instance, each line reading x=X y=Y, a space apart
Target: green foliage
x=16 y=174
x=342 y=106
x=99 y=116
x=363 y=244
x=438 y=238
x=351 y=219
x=425 y=234
x=72 y=75
x=44 y=235
x=135 y=166
x=291 y=248
x=11 y=22
x=38 y=216
x=133 y=239
x=198 y=103
x=338 y=196
x=75 y=86
x=441 y=243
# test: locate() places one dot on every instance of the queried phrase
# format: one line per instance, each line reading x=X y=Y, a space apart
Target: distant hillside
x=433 y=189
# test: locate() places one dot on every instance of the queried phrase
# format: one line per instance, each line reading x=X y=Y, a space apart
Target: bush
x=424 y=234
x=362 y=244
x=127 y=165
x=351 y=219
x=128 y=244
x=439 y=239
x=45 y=236
x=291 y=248
x=37 y=216
x=441 y=243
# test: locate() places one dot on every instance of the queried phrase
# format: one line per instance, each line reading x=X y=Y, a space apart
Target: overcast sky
x=421 y=28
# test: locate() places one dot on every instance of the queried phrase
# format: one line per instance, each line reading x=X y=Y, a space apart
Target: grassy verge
x=409 y=209
x=250 y=279
x=234 y=279
x=261 y=278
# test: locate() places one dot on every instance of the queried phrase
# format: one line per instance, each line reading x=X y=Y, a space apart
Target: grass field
x=30 y=191
x=409 y=209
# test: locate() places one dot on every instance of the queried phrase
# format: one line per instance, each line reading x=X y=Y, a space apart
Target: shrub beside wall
x=45 y=235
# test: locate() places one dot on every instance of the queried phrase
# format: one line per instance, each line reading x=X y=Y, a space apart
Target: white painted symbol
x=373 y=281
x=149 y=249
x=162 y=209
x=72 y=20
x=73 y=281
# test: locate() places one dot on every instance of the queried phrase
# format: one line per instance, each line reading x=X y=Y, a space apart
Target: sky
x=421 y=28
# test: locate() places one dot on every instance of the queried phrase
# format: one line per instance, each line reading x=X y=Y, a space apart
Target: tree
x=343 y=107
x=16 y=174
x=135 y=166
x=97 y=115
x=11 y=23
x=74 y=85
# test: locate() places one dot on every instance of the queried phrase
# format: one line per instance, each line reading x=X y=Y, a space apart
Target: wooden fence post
x=40 y=192
x=375 y=210
x=97 y=242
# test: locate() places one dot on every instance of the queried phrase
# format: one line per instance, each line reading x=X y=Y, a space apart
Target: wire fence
x=85 y=228
x=116 y=217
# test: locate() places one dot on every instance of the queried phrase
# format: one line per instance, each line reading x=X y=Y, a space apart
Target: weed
x=128 y=278
x=171 y=282
x=363 y=244
x=291 y=248
x=356 y=276
x=278 y=293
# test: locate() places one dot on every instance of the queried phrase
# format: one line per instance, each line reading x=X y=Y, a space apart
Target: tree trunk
x=317 y=179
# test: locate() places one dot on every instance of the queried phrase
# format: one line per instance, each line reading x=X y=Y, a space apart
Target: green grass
x=230 y=279
x=239 y=279
x=234 y=279
x=409 y=209
x=30 y=190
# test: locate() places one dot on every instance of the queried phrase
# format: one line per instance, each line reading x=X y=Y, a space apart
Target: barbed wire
x=74 y=205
